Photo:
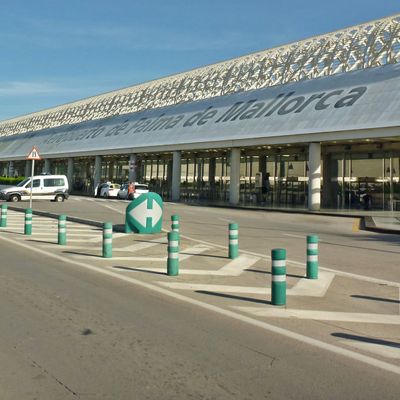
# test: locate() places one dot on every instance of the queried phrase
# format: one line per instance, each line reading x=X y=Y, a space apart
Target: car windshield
x=24 y=182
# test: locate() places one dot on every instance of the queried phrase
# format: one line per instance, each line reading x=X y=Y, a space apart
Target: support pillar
x=70 y=172
x=47 y=166
x=28 y=168
x=314 y=177
x=132 y=168
x=11 y=169
x=97 y=171
x=234 y=182
x=176 y=176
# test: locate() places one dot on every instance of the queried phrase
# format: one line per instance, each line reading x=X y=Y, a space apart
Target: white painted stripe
x=313 y=258
x=312 y=246
x=28 y=222
x=293 y=236
x=236 y=266
x=233 y=232
x=216 y=288
x=193 y=251
x=387 y=319
x=175 y=222
x=261 y=324
x=107 y=231
x=175 y=229
x=313 y=287
x=279 y=263
x=144 y=245
x=173 y=243
x=28 y=215
x=62 y=230
x=233 y=241
x=375 y=348
x=278 y=278
x=107 y=241
x=173 y=255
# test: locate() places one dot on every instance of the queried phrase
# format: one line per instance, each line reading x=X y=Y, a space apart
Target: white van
x=46 y=187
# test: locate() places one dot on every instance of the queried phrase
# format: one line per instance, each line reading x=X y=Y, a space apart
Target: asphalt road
x=68 y=332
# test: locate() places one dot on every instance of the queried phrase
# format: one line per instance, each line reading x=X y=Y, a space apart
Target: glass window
x=36 y=183
x=50 y=182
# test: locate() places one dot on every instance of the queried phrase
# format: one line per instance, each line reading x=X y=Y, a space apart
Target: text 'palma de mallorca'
x=313 y=124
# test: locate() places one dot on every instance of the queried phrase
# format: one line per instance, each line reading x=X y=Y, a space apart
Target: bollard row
x=62 y=229
x=28 y=222
x=3 y=219
x=173 y=254
x=233 y=240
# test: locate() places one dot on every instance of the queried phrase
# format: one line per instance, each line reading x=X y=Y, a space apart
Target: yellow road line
x=356 y=225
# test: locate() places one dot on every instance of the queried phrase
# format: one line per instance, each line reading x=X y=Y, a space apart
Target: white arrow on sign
x=140 y=213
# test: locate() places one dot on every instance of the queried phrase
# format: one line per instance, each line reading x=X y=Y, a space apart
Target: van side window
x=36 y=183
x=51 y=182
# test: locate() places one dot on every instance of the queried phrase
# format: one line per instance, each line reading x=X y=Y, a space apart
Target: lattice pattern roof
x=363 y=46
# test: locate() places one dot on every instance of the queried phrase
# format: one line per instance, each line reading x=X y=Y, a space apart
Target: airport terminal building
x=313 y=124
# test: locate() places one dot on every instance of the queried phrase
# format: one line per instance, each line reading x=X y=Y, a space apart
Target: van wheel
x=14 y=198
x=59 y=198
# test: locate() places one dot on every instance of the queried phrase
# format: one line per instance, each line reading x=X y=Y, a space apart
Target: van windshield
x=24 y=182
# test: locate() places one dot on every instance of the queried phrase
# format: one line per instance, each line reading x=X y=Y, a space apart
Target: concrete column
x=262 y=165
x=211 y=171
x=234 y=182
x=47 y=165
x=314 y=177
x=70 y=172
x=330 y=188
x=132 y=168
x=97 y=171
x=28 y=168
x=176 y=176
x=11 y=168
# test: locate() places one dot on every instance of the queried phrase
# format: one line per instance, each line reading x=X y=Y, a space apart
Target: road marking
x=227 y=313
x=388 y=319
x=238 y=265
x=375 y=348
x=143 y=245
x=313 y=287
x=216 y=288
x=294 y=236
x=192 y=251
x=304 y=287
x=356 y=225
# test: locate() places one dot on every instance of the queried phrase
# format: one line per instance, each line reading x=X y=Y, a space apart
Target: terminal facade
x=313 y=124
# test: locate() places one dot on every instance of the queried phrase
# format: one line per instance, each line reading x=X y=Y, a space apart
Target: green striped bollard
x=62 y=229
x=233 y=240
x=107 y=239
x=175 y=224
x=278 y=284
x=3 y=219
x=312 y=256
x=173 y=254
x=28 y=222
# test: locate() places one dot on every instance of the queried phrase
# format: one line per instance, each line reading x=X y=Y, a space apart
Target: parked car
x=108 y=189
x=44 y=187
x=139 y=189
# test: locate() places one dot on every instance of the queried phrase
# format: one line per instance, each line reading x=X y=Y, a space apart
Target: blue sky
x=57 y=51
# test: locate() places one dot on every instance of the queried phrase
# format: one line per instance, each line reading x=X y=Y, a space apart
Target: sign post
x=33 y=155
x=144 y=214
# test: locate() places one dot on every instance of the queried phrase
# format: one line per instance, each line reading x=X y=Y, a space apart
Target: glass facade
x=351 y=178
